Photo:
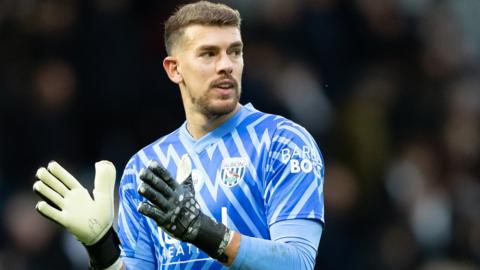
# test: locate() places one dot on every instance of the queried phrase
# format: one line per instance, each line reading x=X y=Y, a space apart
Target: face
x=210 y=66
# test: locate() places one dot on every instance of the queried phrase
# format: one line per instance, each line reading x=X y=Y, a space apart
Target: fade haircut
x=200 y=13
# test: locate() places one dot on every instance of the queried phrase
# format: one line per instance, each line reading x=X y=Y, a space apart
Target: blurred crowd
x=390 y=89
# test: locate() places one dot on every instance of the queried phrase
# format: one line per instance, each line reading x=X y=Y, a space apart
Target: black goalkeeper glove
x=174 y=208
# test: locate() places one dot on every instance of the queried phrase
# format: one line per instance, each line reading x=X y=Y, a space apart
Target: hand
x=90 y=220
x=174 y=208
x=87 y=218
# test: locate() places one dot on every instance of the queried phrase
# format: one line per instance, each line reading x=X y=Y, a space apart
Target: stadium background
x=389 y=88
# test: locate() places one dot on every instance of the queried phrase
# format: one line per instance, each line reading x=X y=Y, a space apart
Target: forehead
x=221 y=36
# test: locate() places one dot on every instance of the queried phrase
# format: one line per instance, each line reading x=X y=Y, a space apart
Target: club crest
x=233 y=170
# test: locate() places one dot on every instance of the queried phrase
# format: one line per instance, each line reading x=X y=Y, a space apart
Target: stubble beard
x=205 y=104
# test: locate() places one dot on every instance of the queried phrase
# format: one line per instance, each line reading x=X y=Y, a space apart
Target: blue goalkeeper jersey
x=252 y=171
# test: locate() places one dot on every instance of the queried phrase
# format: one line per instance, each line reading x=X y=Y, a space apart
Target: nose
x=224 y=64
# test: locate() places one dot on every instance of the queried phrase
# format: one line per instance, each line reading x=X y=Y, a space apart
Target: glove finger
x=163 y=173
x=48 y=194
x=50 y=212
x=63 y=175
x=184 y=169
x=147 y=176
x=154 y=196
x=152 y=212
x=104 y=177
x=51 y=181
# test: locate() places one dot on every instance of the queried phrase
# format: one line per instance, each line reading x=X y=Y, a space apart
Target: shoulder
x=261 y=121
x=279 y=125
x=148 y=152
x=289 y=129
x=129 y=180
x=277 y=130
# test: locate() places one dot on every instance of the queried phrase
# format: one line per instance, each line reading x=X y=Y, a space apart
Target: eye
x=207 y=54
x=236 y=52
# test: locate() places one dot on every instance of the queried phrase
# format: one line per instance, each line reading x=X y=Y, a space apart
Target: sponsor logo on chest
x=303 y=160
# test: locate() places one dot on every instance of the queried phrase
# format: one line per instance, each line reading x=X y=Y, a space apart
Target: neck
x=199 y=124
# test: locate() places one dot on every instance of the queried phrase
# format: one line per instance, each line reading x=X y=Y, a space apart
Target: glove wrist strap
x=212 y=238
x=104 y=252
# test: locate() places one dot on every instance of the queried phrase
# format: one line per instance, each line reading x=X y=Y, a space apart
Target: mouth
x=224 y=86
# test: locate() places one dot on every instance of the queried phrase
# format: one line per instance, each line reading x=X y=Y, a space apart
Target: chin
x=221 y=107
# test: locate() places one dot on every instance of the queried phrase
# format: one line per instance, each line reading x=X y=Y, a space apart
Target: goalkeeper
x=248 y=186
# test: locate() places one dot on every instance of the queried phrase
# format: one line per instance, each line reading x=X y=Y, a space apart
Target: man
x=248 y=192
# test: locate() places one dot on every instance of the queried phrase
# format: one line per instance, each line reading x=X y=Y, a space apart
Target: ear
x=170 y=64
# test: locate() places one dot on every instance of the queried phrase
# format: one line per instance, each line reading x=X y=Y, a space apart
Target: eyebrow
x=214 y=47
x=236 y=44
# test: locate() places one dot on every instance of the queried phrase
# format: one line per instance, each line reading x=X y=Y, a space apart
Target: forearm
x=286 y=250
x=255 y=253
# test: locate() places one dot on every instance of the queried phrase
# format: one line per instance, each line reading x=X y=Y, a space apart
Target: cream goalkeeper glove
x=89 y=219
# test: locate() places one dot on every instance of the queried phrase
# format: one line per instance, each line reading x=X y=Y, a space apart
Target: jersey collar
x=213 y=136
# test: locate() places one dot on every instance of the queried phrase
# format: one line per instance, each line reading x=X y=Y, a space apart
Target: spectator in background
x=399 y=77
x=30 y=239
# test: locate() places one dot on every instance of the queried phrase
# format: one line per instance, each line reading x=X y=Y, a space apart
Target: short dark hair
x=201 y=13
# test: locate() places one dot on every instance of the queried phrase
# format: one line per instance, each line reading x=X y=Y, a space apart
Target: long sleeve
x=293 y=246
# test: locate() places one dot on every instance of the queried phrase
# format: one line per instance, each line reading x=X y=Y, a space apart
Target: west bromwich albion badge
x=233 y=170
